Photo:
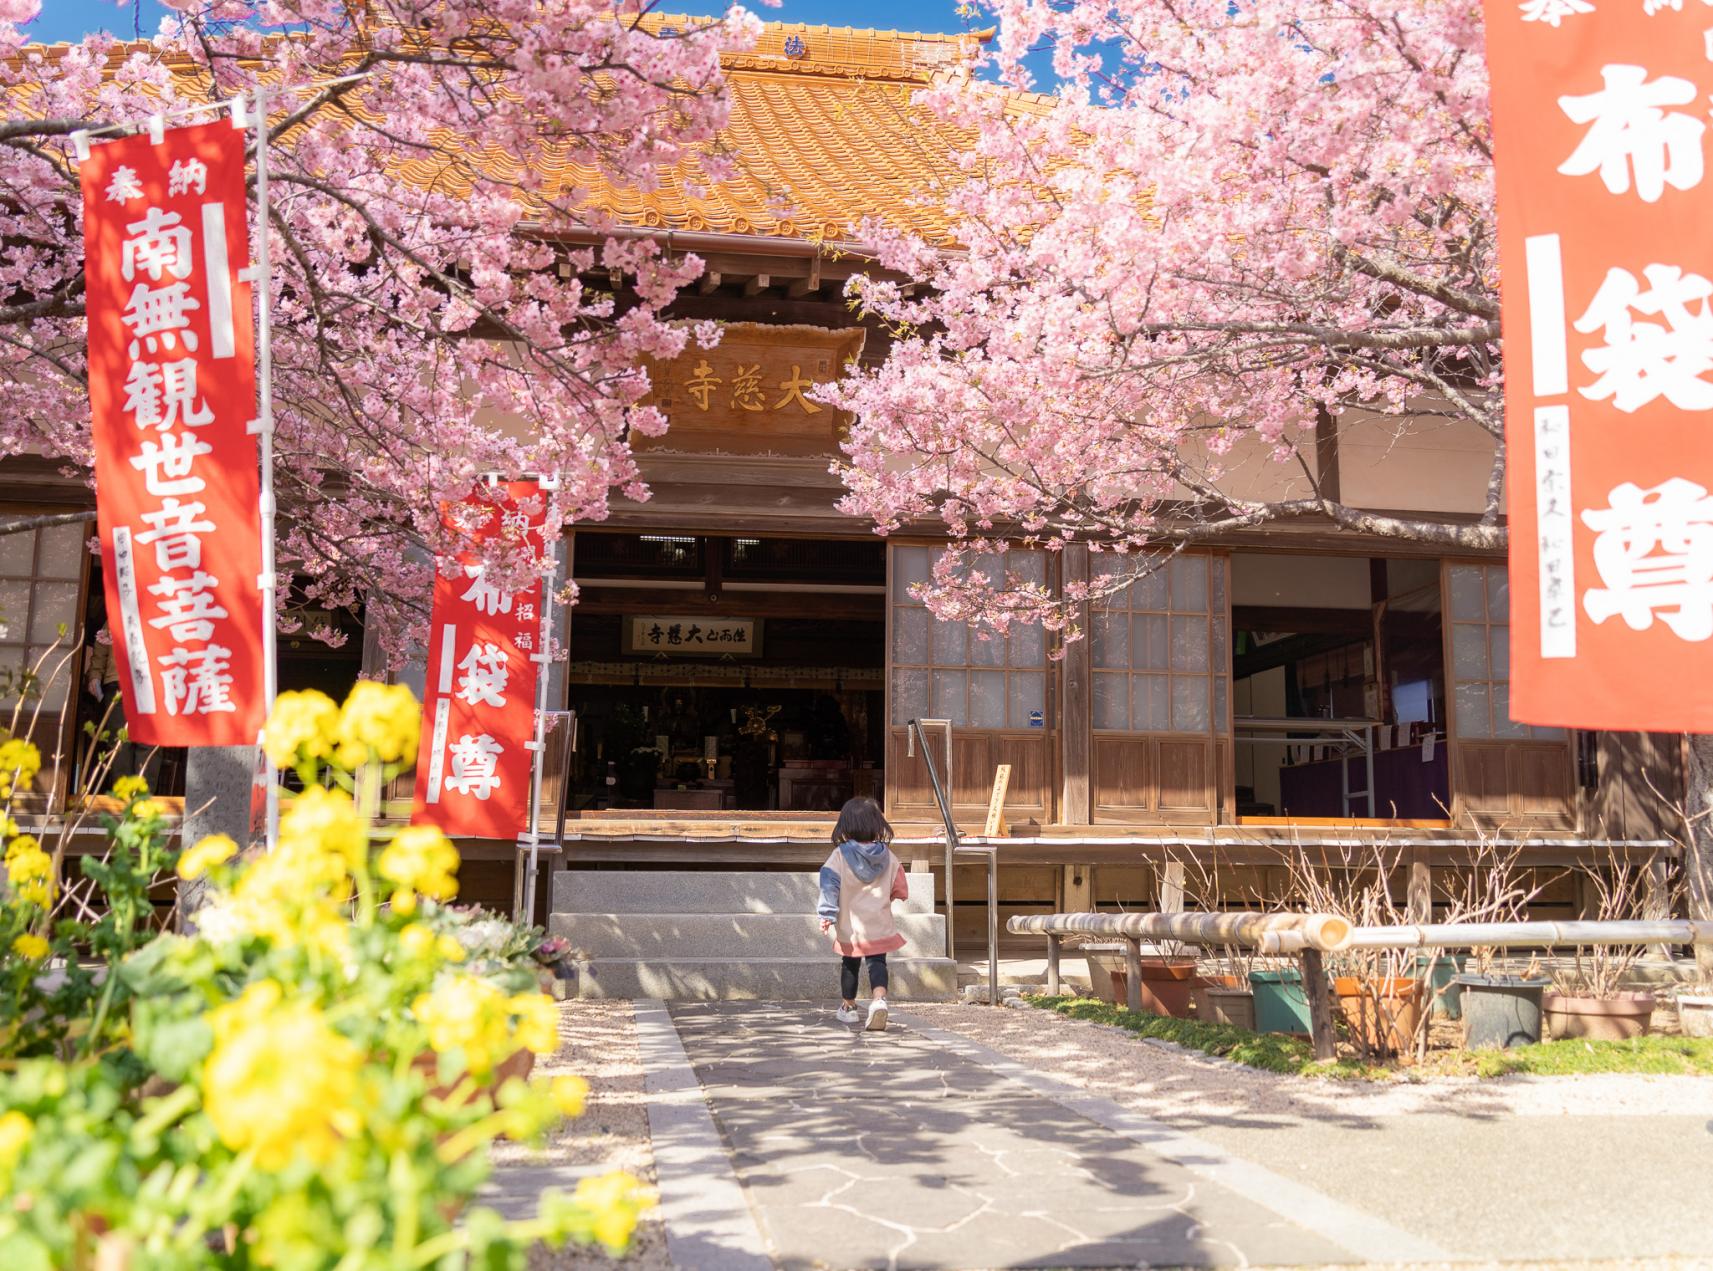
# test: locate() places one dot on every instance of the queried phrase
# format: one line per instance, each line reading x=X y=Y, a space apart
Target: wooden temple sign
x=995 y=823
x=692 y=637
x=750 y=393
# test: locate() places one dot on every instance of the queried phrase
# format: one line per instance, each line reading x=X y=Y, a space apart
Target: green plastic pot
x=1281 y=1006
x=1439 y=978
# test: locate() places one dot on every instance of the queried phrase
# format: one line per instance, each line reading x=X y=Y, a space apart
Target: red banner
x=474 y=768
x=1600 y=114
x=172 y=390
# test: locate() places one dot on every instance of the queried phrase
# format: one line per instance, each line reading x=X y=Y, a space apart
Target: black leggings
x=849 y=967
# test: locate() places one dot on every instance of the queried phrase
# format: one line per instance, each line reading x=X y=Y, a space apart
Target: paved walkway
x=913 y=1148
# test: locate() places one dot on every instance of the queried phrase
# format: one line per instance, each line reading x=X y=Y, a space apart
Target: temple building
x=744 y=656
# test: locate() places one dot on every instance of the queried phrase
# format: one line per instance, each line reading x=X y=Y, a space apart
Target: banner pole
x=543 y=658
x=268 y=580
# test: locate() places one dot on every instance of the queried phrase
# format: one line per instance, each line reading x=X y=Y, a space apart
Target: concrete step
x=649 y=891
x=755 y=979
x=746 y=935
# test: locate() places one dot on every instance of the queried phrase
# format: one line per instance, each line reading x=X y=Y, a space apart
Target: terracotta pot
x=1382 y=1011
x=1611 y=1019
x=520 y=1063
x=1233 y=1007
x=1168 y=985
x=1695 y=1016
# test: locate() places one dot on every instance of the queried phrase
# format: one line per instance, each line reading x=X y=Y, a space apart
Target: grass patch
x=1274 y=1052
x=1271 y=1052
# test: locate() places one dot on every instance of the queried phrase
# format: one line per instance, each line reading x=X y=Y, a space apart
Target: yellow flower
x=149 y=810
x=302 y=726
x=23 y=843
x=569 y=1094
x=30 y=872
x=538 y=1022
x=31 y=946
x=420 y=860
x=127 y=788
x=20 y=761
x=325 y=822
x=615 y=1202
x=280 y=1081
x=16 y=1130
x=468 y=1017
x=209 y=851
x=380 y=722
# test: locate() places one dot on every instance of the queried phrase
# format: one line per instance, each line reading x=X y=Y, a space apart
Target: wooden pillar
x=1076 y=889
x=1053 y=966
x=1320 y=1005
x=1419 y=888
x=1133 y=974
x=1076 y=719
x=1171 y=877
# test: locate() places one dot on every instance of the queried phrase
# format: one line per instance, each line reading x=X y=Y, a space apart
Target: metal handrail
x=914 y=736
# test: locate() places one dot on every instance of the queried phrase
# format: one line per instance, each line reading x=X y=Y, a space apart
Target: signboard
x=749 y=394
x=172 y=392
x=692 y=637
x=995 y=823
x=1600 y=114
x=474 y=765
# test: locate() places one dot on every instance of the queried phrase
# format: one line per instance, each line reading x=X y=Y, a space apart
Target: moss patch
x=1273 y=1052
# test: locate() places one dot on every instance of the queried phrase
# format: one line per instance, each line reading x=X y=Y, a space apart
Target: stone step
x=649 y=891
x=755 y=979
x=745 y=935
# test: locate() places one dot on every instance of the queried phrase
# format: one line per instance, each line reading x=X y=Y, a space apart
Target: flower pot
x=1106 y=971
x=1382 y=1011
x=1609 y=1019
x=1168 y=985
x=1441 y=990
x=1695 y=1016
x=1281 y=1006
x=1500 y=1010
x=1232 y=1007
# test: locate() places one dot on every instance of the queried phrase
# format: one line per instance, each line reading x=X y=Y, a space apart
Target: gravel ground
x=598 y=1042
x=1162 y=1080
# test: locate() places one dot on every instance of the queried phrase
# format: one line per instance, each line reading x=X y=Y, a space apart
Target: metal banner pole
x=268 y=581
x=543 y=658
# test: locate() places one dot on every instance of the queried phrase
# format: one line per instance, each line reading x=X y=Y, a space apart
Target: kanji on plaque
x=1601 y=125
x=474 y=768
x=172 y=392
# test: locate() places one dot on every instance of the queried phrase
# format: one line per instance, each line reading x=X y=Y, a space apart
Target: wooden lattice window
x=41 y=580
x=945 y=670
x=1160 y=647
x=1481 y=657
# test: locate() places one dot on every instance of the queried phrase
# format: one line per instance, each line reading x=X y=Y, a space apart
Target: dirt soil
x=598 y=1042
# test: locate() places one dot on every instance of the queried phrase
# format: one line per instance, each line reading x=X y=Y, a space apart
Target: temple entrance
x=715 y=674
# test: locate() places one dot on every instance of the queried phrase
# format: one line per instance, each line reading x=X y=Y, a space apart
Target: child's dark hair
x=861 y=821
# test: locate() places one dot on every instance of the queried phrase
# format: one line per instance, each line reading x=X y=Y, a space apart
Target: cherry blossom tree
x=1238 y=218
x=446 y=300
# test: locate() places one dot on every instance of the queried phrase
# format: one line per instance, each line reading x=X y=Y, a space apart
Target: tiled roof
x=823 y=133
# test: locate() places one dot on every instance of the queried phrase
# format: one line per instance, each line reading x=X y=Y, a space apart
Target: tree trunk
x=218 y=786
x=1698 y=843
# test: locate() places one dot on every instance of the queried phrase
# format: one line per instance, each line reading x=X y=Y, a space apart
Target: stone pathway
x=895 y=1150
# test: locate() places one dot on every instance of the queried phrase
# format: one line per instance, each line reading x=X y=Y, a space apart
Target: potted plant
x=1588 y=999
x=1168 y=978
x=1695 y=1010
x=1496 y=1009
x=1223 y=995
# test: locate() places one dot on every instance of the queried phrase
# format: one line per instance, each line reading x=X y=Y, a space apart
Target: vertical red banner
x=475 y=765
x=172 y=391
x=1601 y=122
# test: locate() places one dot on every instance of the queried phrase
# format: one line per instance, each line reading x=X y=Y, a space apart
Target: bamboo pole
x=1508 y=935
x=1267 y=933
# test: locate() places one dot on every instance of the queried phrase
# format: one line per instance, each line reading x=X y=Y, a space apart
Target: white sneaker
x=847 y=1015
x=876 y=1016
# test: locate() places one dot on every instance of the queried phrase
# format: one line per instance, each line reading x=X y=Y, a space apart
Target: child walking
x=859 y=882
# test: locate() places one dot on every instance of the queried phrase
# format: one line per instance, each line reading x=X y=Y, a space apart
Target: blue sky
x=73 y=19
